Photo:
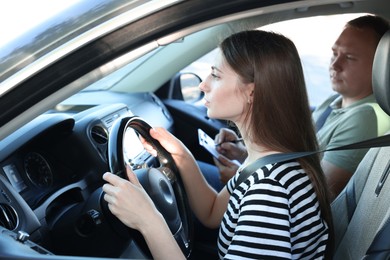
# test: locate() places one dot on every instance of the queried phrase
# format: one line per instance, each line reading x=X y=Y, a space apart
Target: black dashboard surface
x=54 y=163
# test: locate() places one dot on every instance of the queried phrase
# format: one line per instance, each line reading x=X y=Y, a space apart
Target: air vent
x=8 y=217
x=99 y=135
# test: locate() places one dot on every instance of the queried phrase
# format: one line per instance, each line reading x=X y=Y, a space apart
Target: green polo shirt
x=361 y=120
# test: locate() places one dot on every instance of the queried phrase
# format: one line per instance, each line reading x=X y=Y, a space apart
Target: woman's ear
x=250 y=90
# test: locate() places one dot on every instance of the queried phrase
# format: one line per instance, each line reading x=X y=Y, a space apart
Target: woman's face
x=225 y=95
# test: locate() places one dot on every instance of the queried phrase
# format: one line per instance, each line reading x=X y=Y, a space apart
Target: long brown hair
x=279 y=117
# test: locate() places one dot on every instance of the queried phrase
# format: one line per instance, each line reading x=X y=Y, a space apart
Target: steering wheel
x=163 y=183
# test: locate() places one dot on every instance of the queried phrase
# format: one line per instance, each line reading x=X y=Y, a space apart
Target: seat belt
x=321 y=120
x=379 y=141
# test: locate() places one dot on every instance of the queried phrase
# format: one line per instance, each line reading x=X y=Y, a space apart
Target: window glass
x=313 y=38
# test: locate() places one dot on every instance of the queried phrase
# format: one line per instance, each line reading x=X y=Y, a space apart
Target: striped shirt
x=274 y=214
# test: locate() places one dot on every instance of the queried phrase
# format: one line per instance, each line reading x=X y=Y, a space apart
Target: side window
x=313 y=38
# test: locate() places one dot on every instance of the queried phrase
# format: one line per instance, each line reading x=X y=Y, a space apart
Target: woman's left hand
x=128 y=201
x=170 y=143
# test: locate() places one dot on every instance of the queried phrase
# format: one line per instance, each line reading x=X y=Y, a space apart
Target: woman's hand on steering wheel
x=128 y=200
x=153 y=199
x=170 y=143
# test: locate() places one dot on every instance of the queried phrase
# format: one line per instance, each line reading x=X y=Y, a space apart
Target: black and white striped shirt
x=274 y=214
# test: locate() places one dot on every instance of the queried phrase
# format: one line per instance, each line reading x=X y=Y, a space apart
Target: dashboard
x=55 y=163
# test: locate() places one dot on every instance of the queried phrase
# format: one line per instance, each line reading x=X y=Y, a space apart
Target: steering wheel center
x=160 y=190
x=167 y=194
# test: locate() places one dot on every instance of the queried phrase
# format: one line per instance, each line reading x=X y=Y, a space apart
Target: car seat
x=361 y=212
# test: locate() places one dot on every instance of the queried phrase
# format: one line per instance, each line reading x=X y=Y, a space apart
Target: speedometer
x=38 y=170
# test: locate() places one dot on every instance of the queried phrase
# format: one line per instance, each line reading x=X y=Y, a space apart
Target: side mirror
x=189 y=84
x=183 y=86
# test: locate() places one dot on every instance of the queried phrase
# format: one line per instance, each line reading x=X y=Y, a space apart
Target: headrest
x=381 y=73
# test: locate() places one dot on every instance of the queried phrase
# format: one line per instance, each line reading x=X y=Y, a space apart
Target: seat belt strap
x=379 y=141
x=321 y=120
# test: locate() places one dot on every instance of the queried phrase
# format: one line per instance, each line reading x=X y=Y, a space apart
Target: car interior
x=364 y=200
x=69 y=119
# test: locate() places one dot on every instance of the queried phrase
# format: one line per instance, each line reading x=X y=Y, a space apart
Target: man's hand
x=232 y=151
x=227 y=168
x=336 y=178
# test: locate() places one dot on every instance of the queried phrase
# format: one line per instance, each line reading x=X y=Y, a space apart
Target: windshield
x=112 y=79
x=27 y=44
x=43 y=11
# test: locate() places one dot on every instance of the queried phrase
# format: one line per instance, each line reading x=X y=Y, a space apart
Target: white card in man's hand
x=207 y=142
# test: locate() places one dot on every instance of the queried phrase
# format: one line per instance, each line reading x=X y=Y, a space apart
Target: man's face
x=351 y=64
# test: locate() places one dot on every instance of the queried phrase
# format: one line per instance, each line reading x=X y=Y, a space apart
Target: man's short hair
x=375 y=23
